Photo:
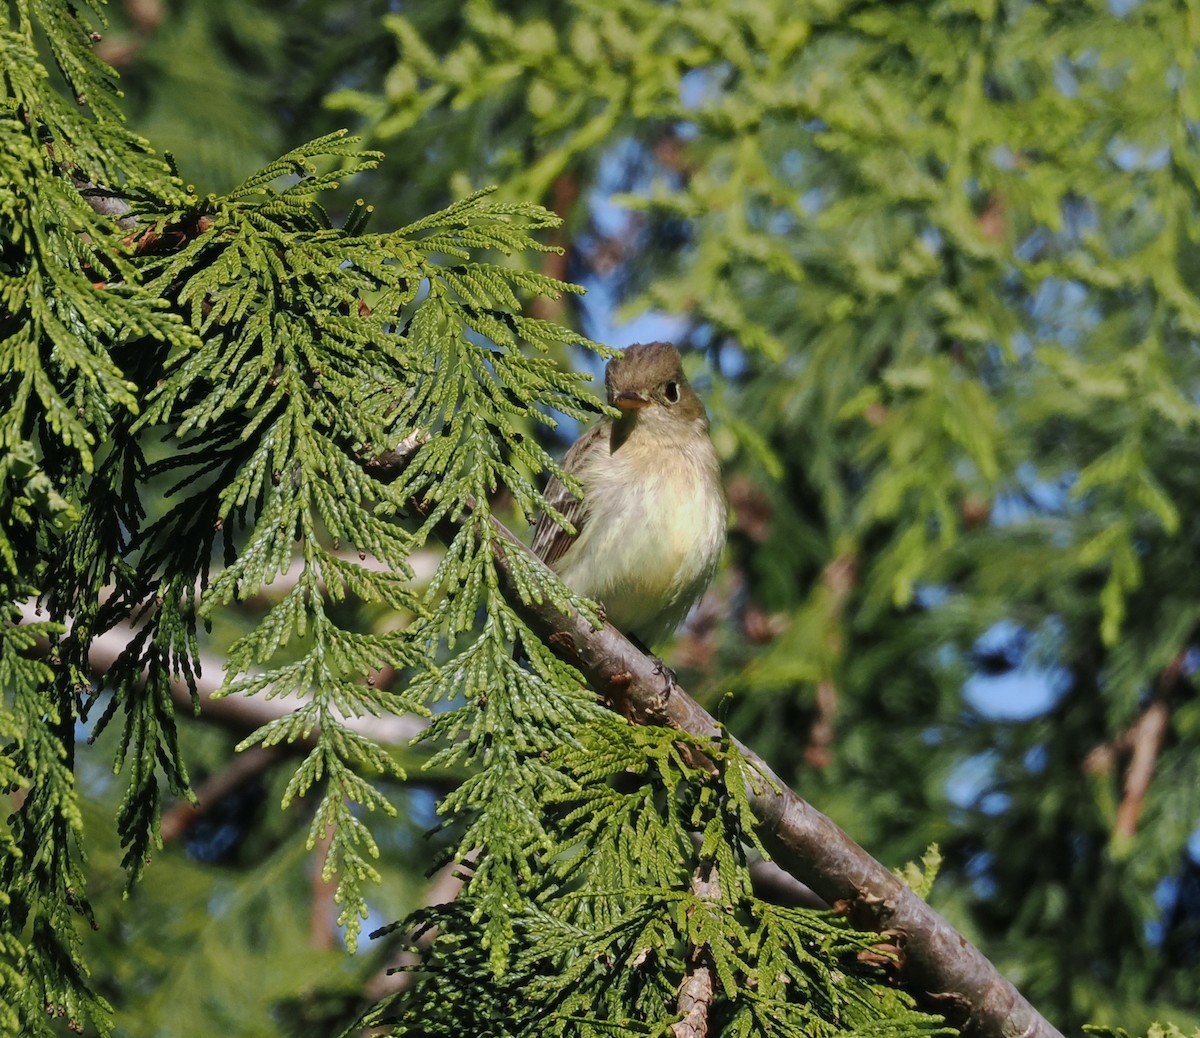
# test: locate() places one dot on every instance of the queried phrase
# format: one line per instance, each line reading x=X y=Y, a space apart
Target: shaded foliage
x=939 y=258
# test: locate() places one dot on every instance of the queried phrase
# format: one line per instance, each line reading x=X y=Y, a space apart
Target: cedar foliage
x=944 y=252
x=947 y=254
x=239 y=358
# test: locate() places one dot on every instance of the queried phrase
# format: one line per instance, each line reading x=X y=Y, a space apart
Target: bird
x=650 y=526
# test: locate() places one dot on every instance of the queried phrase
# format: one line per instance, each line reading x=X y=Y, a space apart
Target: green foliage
x=921 y=877
x=315 y=351
x=183 y=941
x=62 y=330
x=277 y=354
x=1154 y=1031
x=944 y=254
x=948 y=251
x=611 y=921
x=879 y=217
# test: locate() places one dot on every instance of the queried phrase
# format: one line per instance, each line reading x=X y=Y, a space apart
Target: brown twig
x=1146 y=738
x=180 y=817
x=1142 y=741
x=699 y=982
x=817 y=754
x=322 y=909
x=838 y=581
x=555 y=263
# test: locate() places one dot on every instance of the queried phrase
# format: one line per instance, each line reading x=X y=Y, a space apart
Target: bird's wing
x=550 y=541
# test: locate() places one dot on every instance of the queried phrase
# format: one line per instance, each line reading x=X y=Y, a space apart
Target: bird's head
x=647 y=383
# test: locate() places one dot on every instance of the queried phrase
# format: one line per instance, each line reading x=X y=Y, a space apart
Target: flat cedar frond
x=609 y=922
x=275 y=354
x=76 y=331
x=318 y=349
x=535 y=584
x=300 y=162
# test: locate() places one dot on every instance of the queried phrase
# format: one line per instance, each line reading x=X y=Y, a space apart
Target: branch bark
x=699 y=983
x=938 y=964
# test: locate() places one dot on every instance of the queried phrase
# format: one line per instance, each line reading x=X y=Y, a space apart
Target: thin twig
x=837 y=581
x=699 y=982
x=1142 y=741
x=243 y=767
x=1146 y=738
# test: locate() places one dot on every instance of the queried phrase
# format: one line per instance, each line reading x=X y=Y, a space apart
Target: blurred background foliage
x=934 y=265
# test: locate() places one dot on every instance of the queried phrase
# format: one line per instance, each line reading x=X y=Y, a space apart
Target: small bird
x=651 y=523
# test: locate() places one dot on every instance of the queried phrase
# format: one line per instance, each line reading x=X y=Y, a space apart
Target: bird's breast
x=653 y=530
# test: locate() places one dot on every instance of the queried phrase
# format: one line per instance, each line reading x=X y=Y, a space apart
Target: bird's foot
x=661 y=669
x=668 y=676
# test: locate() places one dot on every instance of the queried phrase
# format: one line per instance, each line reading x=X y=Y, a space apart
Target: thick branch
x=954 y=976
x=938 y=963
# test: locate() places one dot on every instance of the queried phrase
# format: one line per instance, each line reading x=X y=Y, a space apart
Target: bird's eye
x=673 y=392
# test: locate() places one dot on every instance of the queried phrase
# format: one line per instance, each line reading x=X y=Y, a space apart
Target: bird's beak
x=627 y=400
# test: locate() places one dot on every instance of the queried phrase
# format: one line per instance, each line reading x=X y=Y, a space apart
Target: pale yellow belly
x=649 y=544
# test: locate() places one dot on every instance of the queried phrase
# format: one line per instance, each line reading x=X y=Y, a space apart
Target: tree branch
x=181 y=816
x=939 y=964
x=240 y=714
x=954 y=976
